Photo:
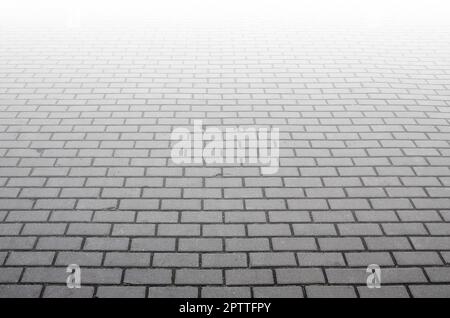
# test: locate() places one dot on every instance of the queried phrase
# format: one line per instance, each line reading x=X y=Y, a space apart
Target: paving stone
x=114 y=216
x=391 y=203
x=44 y=229
x=437 y=229
x=198 y=277
x=226 y=204
x=320 y=259
x=45 y=275
x=200 y=193
x=147 y=276
x=289 y=216
x=127 y=259
x=419 y=216
x=346 y=275
x=261 y=204
x=79 y=258
x=20 y=291
x=16 y=204
x=30 y=258
x=417 y=258
x=446 y=257
x=335 y=217
x=429 y=291
x=175 y=260
x=90 y=229
x=278 y=292
x=249 y=277
x=384 y=292
x=96 y=204
x=16 y=243
x=359 y=229
x=225 y=292
x=10 y=274
x=201 y=217
x=342 y=204
x=153 y=244
x=272 y=259
x=80 y=193
x=431 y=243
x=340 y=244
x=134 y=230
x=269 y=230
x=55 y=204
x=172 y=292
x=220 y=260
x=157 y=217
x=3 y=257
x=101 y=276
x=387 y=243
x=247 y=217
x=70 y=216
x=402 y=275
x=10 y=229
x=224 y=230
x=64 y=292
x=314 y=229
x=247 y=244
x=182 y=204
x=438 y=274
x=120 y=292
x=200 y=245
x=431 y=203
x=404 y=229
x=378 y=216
x=366 y=258
x=106 y=244
x=139 y=204
x=294 y=243
x=330 y=292
x=179 y=230
x=307 y=204
x=299 y=276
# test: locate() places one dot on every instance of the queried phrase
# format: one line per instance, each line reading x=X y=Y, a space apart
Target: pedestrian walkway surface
x=86 y=175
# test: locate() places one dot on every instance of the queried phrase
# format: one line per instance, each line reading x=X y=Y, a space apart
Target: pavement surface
x=86 y=175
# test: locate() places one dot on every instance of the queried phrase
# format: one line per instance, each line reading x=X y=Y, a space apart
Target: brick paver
x=86 y=176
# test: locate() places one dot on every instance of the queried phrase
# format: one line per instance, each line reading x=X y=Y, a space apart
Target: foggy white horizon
x=123 y=13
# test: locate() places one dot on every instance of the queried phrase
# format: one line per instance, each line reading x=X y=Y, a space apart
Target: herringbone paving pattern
x=86 y=176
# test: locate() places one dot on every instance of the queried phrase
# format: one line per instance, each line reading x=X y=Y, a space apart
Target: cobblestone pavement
x=86 y=176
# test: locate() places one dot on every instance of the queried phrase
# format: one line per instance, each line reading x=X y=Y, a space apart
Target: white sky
x=370 y=12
